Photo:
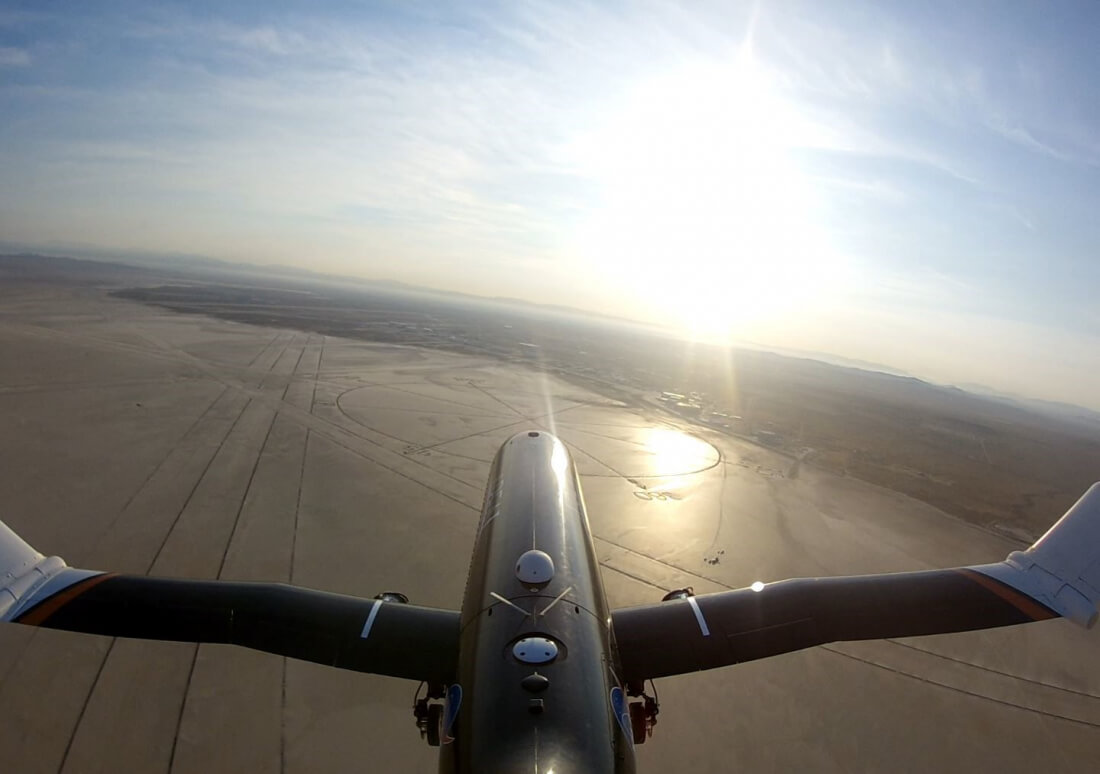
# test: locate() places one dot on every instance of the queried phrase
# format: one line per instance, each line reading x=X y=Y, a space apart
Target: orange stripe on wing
x=38 y=614
x=1022 y=602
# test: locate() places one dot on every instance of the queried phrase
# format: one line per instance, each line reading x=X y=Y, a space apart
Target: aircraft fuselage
x=533 y=674
x=510 y=712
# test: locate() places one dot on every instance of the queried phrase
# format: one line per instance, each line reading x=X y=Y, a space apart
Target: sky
x=910 y=184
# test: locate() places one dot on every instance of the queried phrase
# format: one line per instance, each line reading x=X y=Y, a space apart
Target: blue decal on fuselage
x=450 y=712
x=622 y=713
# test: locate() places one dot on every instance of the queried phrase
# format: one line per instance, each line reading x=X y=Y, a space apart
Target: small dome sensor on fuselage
x=535 y=568
x=535 y=650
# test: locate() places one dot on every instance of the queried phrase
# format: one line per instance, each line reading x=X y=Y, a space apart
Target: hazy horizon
x=912 y=187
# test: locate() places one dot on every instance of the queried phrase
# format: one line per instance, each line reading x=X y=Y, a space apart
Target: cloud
x=317 y=124
x=1018 y=134
x=925 y=90
x=14 y=57
x=381 y=141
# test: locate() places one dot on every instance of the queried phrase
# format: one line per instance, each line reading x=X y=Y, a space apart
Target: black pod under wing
x=365 y=635
x=1058 y=576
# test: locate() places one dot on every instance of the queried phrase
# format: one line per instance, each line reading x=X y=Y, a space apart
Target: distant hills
x=115 y=266
x=1058 y=409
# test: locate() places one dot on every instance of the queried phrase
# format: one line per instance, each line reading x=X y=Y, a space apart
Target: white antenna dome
x=535 y=568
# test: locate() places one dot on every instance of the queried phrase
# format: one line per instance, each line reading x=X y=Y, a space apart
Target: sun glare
x=675 y=453
x=705 y=219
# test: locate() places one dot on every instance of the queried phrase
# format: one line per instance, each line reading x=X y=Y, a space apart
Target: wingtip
x=27 y=576
x=1062 y=568
x=16 y=555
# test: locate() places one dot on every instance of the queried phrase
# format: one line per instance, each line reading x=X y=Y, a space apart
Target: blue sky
x=912 y=184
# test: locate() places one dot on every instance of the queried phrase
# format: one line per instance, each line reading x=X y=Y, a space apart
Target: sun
x=704 y=217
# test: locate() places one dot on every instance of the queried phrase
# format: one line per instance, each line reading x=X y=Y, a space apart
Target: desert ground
x=140 y=440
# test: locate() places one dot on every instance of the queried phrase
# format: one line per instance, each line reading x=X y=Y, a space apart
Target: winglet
x=27 y=577
x=1062 y=569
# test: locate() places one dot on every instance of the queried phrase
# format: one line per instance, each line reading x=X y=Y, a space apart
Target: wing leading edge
x=365 y=635
x=1058 y=576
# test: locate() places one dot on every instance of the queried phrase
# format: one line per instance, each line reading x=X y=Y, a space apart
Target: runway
x=142 y=441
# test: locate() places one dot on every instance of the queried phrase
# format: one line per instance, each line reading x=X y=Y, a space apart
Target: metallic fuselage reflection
x=567 y=718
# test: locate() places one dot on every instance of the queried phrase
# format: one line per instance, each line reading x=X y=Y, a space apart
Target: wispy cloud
x=952 y=160
x=890 y=68
x=14 y=57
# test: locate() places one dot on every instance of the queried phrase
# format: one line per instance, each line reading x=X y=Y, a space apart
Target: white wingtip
x=1062 y=568
x=17 y=562
x=16 y=555
x=26 y=576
